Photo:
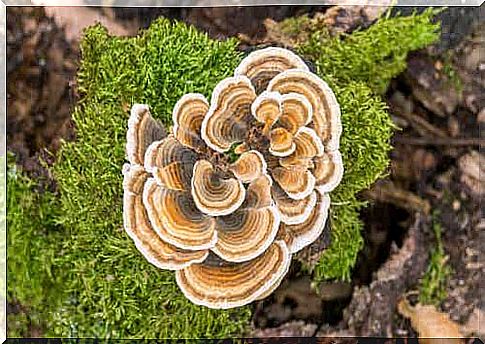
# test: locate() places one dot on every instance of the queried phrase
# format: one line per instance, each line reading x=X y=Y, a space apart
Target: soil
x=435 y=175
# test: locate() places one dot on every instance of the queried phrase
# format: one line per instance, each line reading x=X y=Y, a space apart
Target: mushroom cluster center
x=240 y=184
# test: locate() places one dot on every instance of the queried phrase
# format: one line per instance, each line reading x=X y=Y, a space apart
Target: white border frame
x=134 y=3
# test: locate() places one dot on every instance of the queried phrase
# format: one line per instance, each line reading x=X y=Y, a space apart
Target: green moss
x=373 y=56
x=364 y=144
x=31 y=249
x=102 y=286
x=433 y=284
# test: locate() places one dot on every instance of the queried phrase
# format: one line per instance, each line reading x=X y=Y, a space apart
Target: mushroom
x=213 y=194
x=297 y=181
x=293 y=211
x=171 y=163
x=301 y=235
x=263 y=65
x=229 y=115
x=142 y=131
x=176 y=219
x=234 y=285
x=249 y=166
x=281 y=142
x=135 y=219
x=188 y=114
x=248 y=232
x=230 y=226
x=328 y=171
x=326 y=111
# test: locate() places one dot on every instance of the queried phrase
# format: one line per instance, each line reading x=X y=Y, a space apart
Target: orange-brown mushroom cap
x=296 y=112
x=188 y=114
x=214 y=194
x=176 y=219
x=328 y=171
x=297 y=181
x=281 y=142
x=143 y=129
x=258 y=193
x=235 y=284
x=137 y=225
x=293 y=211
x=301 y=235
x=307 y=146
x=249 y=166
x=266 y=108
x=171 y=163
x=248 y=232
x=325 y=109
x=262 y=65
x=229 y=116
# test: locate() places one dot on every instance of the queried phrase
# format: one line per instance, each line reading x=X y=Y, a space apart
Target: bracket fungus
x=229 y=228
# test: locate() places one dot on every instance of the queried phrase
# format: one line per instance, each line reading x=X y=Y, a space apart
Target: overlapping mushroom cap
x=229 y=228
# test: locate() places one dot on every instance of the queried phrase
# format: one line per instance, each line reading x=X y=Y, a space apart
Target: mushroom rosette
x=230 y=226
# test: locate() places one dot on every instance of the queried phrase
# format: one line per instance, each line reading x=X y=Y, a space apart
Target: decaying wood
x=387 y=192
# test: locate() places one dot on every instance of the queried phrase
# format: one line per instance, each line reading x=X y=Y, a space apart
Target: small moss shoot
x=432 y=289
x=86 y=278
x=32 y=246
x=231 y=154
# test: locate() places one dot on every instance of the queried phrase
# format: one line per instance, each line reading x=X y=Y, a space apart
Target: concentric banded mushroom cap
x=233 y=285
x=240 y=184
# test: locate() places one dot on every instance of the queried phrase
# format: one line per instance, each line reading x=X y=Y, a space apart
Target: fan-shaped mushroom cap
x=267 y=109
x=328 y=171
x=293 y=211
x=296 y=112
x=246 y=233
x=162 y=153
x=229 y=115
x=262 y=65
x=143 y=129
x=235 y=284
x=213 y=194
x=325 y=109
x=258 y=193
x=175 y=176
x=176 y=219
x=308 y=145
x=188 y=115
x=297 y=181
x=136 y=223
x=249 y=166
x=171 y=163
x=303 y=234
x=281 y=142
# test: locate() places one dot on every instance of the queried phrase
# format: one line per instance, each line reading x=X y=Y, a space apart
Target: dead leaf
x=432 y=326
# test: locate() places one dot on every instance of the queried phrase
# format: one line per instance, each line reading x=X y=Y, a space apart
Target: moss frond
x=375 y=55
x=33 y=236
x=365 y=147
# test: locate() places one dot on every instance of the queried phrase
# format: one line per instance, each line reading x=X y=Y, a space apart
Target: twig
x=448 y=141
x=422 y=125
x=388 y=193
